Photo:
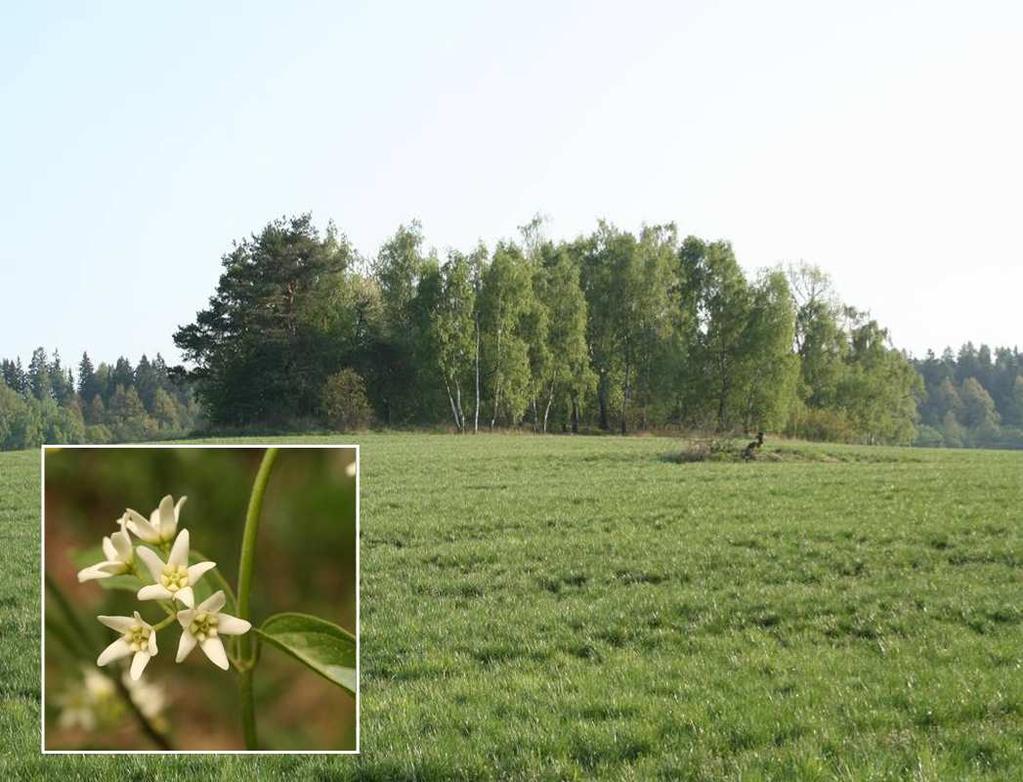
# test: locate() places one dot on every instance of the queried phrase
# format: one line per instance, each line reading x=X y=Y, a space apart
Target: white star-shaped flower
x=119 y=555
x=174 y=578
x=137 y=637
x=162 y=523
x=204 y=625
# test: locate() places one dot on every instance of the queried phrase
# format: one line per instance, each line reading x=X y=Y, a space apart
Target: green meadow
x=587 y=607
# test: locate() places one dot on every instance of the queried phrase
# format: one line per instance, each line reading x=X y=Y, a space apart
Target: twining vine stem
x=246 y=643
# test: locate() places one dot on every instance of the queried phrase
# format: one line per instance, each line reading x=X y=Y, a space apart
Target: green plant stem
x=246 y=644
x=166 y=621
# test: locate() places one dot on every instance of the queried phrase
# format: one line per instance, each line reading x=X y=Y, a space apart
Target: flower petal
x=214 y=649
x=152 y=643
x=177 y=508
x=121 y=624
x=154 y=592
x=232 y=625
x=122 y=546
x=167 y=517
x=213 y=603
x=138 y=524
x=138 y=664
x=185 y=646
x=101 y=570
x=152 y=561
x=179 y=551
x=118 y=649
x=108 y=548
x=196 y=571
x=186 y=596
x=185 y=617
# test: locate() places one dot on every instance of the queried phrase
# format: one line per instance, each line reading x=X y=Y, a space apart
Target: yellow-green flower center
x=204 y=626
x=137 y=638
x=174 y=578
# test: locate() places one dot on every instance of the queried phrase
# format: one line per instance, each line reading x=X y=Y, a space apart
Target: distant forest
x=47 y=402
x=612 y=331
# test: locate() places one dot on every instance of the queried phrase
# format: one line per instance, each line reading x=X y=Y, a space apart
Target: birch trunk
x=547 y=410
x=476 y=418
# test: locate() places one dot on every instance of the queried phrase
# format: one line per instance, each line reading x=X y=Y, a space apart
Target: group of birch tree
x=612 y=330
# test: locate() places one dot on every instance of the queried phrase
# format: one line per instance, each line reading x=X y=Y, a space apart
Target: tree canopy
x=612 y=330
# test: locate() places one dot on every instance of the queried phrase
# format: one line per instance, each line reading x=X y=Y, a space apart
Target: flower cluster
x=173 y=580
x=92 y=701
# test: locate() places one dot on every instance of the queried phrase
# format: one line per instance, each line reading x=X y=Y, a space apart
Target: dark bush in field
x=345 y=403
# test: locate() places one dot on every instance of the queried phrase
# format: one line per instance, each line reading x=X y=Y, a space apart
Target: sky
x=881 y=141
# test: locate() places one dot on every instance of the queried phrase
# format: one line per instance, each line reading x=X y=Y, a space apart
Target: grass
x=577 y=608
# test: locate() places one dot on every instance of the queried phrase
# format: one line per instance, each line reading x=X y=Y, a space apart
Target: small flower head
x=137 y=638
x=119 y=555
x=174 y=578
x=162 y=523
x=84 y=704
x=151 y=698
x=204 y=624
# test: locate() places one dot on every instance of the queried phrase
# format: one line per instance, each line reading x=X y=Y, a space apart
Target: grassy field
x=555 y=607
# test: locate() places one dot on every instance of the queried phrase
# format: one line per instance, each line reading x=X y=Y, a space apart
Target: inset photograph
x=200 y=599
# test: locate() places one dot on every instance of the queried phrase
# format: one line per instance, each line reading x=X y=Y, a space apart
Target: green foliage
x=398 y=270
x=768 y=371
x=659 y=332
x=724 y=308
x=974 y=398
x=879 y=389
x=615 y=329
x=814 y=423
x=345 y=404
x=324 y=647
x=854 y=386
x=630 y=286
x=40 y=380
x=977 y=406
x=450 y=340
x=505 y=304
x=566 y=377
x=21 y=424
x=259 y=351
x=114 y=410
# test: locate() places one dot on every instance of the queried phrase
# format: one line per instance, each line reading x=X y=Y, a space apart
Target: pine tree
x=88 y=387
x=978 y=409
x=259 y=349
x=39 y=375
x=145 y=382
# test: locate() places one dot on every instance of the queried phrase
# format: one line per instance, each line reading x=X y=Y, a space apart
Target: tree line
x=109 y=403
x=614 y=331
x=973 y=398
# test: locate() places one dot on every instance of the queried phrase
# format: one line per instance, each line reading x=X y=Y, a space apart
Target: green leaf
x=91 y=556
x=326 y=648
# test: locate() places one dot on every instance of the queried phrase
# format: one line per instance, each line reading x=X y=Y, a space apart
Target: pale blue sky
x=880 y=140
